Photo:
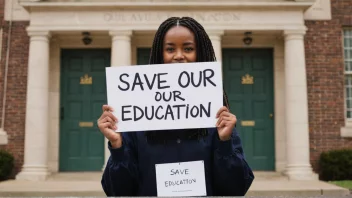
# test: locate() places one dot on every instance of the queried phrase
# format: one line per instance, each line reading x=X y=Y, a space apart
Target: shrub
x=336 y=165
x=6 y=164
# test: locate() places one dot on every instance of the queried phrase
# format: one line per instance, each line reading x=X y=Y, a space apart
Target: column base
x=33 y=173
x=301 y=172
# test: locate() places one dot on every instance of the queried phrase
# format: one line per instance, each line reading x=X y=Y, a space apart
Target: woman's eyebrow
x=169 y=43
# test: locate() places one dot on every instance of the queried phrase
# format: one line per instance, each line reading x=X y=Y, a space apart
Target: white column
x=120 y=56
x=36 y=129
x=298 y=164
x=215 y=37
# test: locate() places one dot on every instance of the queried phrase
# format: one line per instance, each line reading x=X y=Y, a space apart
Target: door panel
x=252 y=102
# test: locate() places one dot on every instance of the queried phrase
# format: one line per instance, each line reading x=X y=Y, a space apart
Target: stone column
x=298 y=164
x=120 y=56
x=215 y=37
x=36 y=128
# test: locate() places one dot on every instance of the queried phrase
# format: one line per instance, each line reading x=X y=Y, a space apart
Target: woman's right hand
x=107 y=125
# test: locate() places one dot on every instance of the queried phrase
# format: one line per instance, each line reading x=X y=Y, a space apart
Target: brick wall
x=325 y=78
x=17 y=85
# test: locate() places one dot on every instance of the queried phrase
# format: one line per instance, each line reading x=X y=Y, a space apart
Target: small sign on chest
x=181 y=179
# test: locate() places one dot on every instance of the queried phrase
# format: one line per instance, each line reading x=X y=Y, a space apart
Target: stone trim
x=303 y=5
x=146 y=27
x=3 y=137
x=346 y=132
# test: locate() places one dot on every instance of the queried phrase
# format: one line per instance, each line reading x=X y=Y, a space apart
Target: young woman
x=130 y=170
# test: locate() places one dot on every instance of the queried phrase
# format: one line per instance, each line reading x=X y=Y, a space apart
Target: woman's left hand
x=225 y=124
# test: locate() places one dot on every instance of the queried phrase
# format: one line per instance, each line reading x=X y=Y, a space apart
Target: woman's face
x=179 y=46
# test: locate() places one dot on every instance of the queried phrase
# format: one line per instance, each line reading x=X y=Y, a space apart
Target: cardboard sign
x=165 y=96
x=181 y=179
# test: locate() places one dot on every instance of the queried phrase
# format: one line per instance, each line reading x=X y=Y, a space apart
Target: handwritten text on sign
x=166 y=96
x=181 y=179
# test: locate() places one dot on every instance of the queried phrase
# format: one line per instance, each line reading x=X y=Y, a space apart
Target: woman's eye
x=169 y=49
x=189 y=49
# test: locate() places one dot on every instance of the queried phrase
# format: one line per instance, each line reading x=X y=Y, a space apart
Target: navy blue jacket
x=130 y=170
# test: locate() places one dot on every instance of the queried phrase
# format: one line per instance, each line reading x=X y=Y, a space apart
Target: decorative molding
x=213 y=4
x=315 y=9
x=146 y=27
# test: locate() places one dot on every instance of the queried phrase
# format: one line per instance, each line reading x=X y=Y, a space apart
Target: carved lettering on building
x=157 y=17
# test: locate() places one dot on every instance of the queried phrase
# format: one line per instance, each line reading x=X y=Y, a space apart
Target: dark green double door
x=83 y=92
x=251 y=102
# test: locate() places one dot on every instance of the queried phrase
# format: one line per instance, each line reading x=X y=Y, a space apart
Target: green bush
x=6 y=164
x=336 y=165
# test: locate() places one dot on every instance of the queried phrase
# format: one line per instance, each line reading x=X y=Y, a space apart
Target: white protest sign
x=181 y=179
x=165 y=96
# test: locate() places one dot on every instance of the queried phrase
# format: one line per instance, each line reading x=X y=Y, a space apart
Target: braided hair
x=205 y=53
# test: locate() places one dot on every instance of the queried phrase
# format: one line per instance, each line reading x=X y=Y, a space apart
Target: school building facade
x=287 y=68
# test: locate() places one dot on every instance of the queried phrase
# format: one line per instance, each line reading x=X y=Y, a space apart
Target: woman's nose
x=179 y=55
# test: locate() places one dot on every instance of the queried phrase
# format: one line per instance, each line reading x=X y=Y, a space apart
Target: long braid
x=205 y=53
x=205 y=50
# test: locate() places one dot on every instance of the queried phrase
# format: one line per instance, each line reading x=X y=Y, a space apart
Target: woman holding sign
x=189 y=162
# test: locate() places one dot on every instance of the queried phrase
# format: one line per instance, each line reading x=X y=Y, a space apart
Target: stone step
x=88 y=184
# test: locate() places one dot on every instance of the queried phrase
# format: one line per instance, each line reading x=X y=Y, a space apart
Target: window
x=348 y=71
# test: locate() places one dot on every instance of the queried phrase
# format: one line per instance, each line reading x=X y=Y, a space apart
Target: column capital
x=294 y=34
x=120 y=33
x=215 y=34
x=45 y=33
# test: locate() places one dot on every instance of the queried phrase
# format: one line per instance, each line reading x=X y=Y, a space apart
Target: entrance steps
x=88 y=184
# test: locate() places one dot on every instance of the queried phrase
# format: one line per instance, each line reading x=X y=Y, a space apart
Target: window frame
x=346 y=73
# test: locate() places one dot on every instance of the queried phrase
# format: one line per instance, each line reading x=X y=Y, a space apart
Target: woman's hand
x=107 y=125
x=225 y=124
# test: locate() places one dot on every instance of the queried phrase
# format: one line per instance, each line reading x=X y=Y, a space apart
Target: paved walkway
x=88 y=184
